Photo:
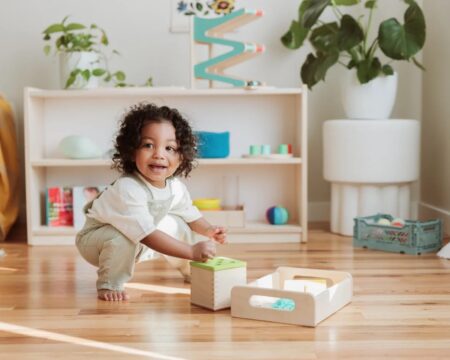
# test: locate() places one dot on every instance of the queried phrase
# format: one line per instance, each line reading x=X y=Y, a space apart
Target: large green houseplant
x=348 y=41
x=71 y=38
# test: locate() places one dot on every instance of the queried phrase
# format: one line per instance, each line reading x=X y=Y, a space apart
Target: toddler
x=147 y=210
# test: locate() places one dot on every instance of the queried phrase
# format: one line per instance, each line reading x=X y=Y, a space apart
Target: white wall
x=435 y=189
x=139 y=29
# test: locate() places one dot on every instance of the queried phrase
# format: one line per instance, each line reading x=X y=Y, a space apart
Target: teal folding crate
x=415 y=237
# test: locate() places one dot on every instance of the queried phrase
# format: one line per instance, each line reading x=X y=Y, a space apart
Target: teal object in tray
x=415 y=237
x=213 y=145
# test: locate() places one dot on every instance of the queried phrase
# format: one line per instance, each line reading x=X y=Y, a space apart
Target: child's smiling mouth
x=157 y=168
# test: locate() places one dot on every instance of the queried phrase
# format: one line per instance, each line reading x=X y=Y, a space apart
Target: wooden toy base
x=268 y=156
x=227 y=217
x=293 y=296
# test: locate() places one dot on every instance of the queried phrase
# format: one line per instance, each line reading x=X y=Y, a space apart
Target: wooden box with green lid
x=212 y=281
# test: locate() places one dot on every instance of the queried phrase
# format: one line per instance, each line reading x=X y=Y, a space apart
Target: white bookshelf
x=264 y=116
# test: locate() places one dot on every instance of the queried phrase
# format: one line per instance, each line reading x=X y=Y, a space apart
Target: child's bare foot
x=112 y=295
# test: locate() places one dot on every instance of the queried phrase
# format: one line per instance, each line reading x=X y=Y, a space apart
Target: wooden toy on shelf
x=212 y=281
x=211 y=32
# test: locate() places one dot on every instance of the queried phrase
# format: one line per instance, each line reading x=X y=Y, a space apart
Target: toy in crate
x=383 y=232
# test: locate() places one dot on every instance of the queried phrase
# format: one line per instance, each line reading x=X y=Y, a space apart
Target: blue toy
x=277 y=215
x=213 y=144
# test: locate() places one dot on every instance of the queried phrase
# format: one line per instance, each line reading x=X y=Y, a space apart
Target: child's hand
x=203 y=250
x=217 y=233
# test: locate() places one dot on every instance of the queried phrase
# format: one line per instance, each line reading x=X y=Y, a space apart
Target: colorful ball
x=277 y=215
x=398 y=222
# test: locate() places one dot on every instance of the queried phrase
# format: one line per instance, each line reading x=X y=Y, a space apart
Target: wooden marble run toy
x=211 y=32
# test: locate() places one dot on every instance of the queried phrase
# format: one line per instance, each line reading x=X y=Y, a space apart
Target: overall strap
x=140 y=182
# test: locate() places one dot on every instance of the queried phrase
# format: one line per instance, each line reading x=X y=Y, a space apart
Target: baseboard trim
x=427 y=211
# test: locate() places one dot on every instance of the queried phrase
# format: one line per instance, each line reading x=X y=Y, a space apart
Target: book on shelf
x=59 y=210
x=65 y=205
x=81 y=196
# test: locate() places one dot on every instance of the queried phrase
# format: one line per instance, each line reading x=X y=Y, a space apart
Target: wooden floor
x=48 y=308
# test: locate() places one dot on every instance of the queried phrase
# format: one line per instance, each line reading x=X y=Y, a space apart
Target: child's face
x=157 y=157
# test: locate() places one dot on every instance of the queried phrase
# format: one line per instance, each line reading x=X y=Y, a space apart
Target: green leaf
x=311 y=11
x=315 y=68
x=418 y=64
x=54 y=29
x=104 y=39
x=324 y=38
x=199 y=6
x=351 y=64
x=346 y=2
x=72 y=78
x=295 y=36
x=98 y=72
x=350 y=33
x=47 y=49
x=74 y=26
x=149 y=82
x=387 y=70
x=368 y=69
x=120 y=75
x=86 y=74
x=402 y=42
x=370 y=4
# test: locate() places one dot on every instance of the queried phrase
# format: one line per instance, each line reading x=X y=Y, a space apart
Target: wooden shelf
x=265 y=115
x=257 y=232
x=158 y=91
x=251 y=227
x=106 y=162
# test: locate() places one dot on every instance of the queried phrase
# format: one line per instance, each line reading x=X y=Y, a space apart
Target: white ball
x=384 y=222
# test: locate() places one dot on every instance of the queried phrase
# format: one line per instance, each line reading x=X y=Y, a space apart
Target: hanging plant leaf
x=387 y=70
x=53 y=28
x=295 y=36
x=346 y=2
x=199 y=6
x=324 y=38
x=368 y=69
x=315 y=68
x=98 y=72
x=74 y=26
x=350 y=33
x=401 y=42
x=310 y=11
x=371 y=4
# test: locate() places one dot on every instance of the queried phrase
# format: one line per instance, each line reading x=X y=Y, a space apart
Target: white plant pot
x=81 y=60
x=373 y=100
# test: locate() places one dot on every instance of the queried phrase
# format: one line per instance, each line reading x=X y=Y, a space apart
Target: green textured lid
x=219 y=263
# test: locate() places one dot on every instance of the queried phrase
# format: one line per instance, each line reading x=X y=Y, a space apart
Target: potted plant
x=346 y=41
x=83 y=61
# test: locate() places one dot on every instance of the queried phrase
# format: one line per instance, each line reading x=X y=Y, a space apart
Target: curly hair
x=128 y=138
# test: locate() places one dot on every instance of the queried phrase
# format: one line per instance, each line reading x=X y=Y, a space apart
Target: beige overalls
x=102 y=245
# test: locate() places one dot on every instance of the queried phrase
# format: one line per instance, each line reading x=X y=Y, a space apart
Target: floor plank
x=48 y=308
